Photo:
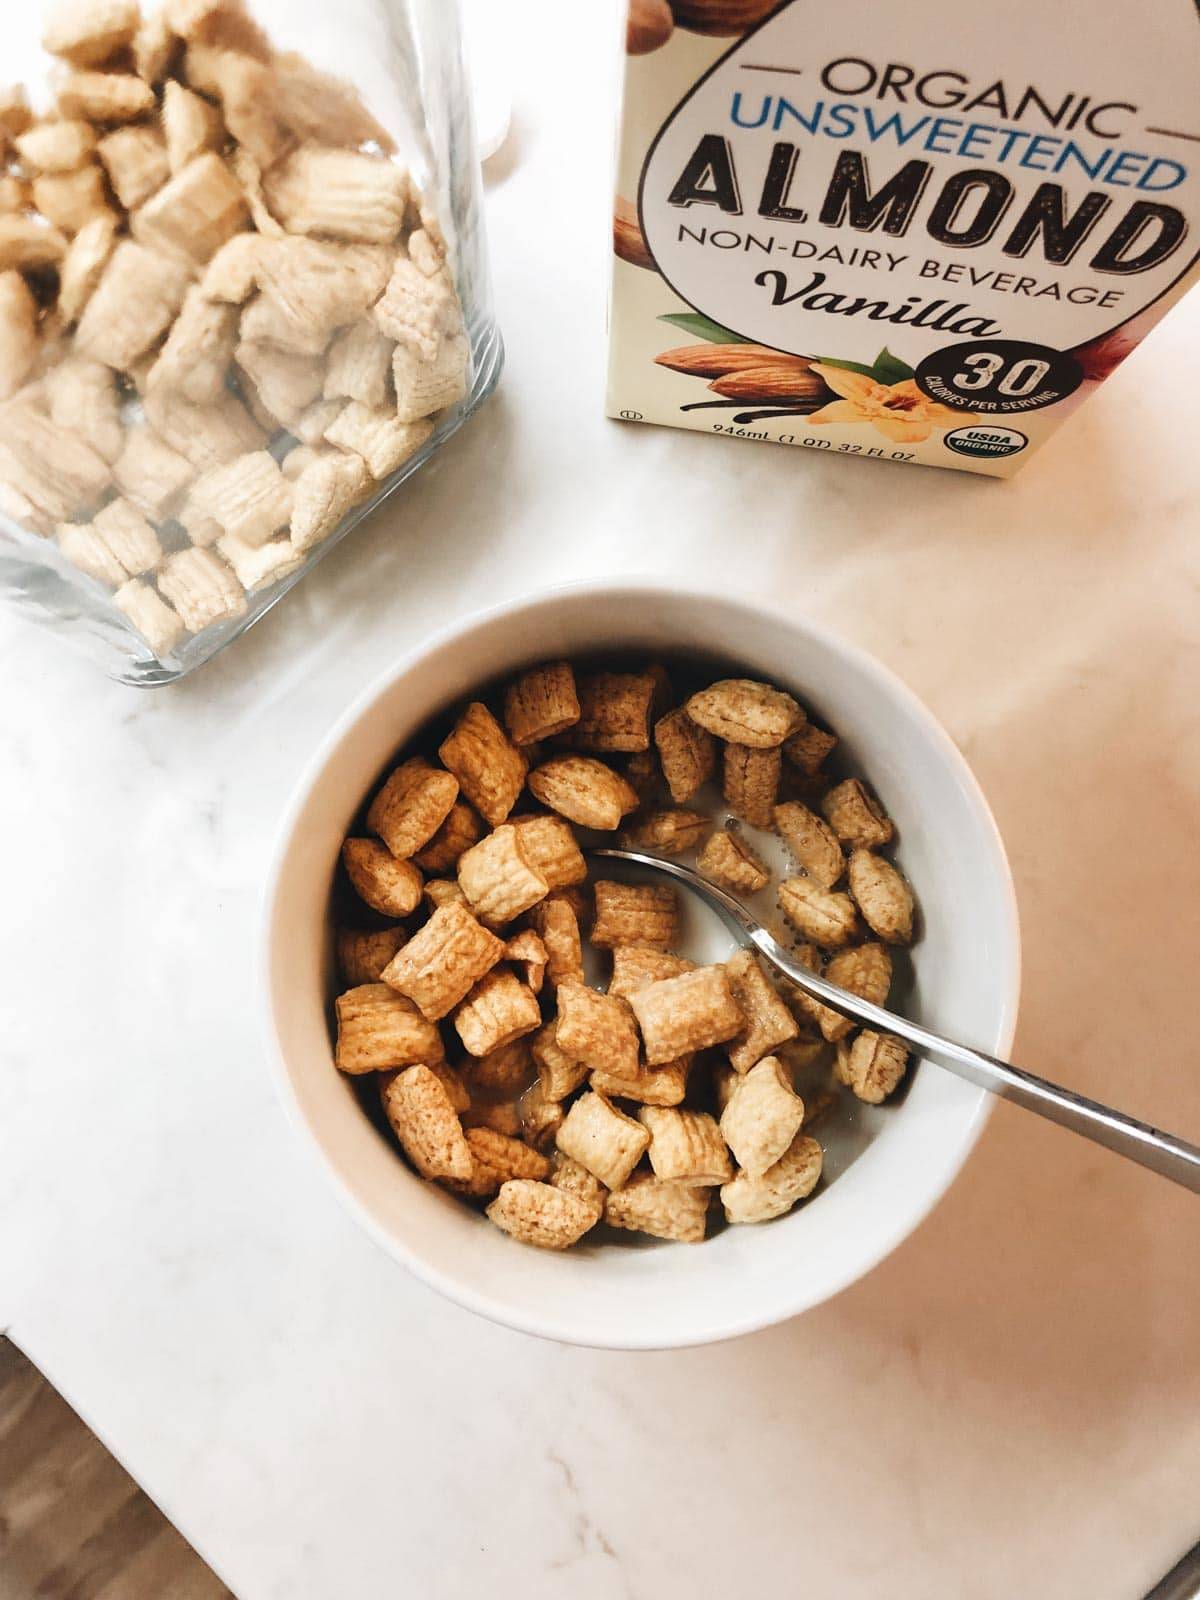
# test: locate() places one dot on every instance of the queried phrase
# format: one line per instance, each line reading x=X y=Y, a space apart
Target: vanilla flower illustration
x=899 y=410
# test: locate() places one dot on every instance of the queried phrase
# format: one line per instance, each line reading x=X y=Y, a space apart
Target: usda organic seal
x=985 y=440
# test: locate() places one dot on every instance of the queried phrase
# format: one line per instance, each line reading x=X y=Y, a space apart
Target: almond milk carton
x=921 y=232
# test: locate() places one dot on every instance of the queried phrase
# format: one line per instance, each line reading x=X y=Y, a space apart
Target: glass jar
x=243 y=295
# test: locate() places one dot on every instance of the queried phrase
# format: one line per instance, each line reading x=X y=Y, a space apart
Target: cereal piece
x=650 y=1086
x=29 y=242
x=89 y=32
x=324 y=494
x=387 y=885
x=828 y=919
x=499 y=1009
x=338 y=194
x=646 y=1204
x=360 y=364
x=497 y=878
x=560 y=1074
x=541 y=703
x=56 y=146
x=501 y=1116
x=52 y=467
x=872 y=1065
x=614 y=711
x=136 y=162
x=363 y=956
x=283 y=382
x=504 y=1071
x=458 y=831
x=751 y=783
x=191 y=125
x=597 y=1029
x=378 y=1028
x=149 y=473
x=602 y=1139
x=497 y=1158
x=635 y=913
x=686 y=1146
x=690 y=1012
x=763 y=1116
x=443 y=961
x=808 y=747
x=157 y=622
x=550 y=847
x=567 y=1174
x=255 y=565
x=130 y=538
x=105 y=97
x=557 y=925
x=322 y=109
x=411 y=806
x=883 y=897
x=856 y=816
x=423 y=387
x=865 y=971
x=70 y=200
x=636 y=967
x=383 y=441
x=298 y=458
x=537 y=1214
x=85 y=549
x=813 y=843
x=15 y=115
x=644 y=776
x=249 y=174
x=195 y=360
x=83 y=399
x=669 y=832
x=427 y=1125
x=248 y=496
x=443 y=892
x=85 y=260
x=153 y=47
x=729 y=861
x=232 y=274
x=418 y=311
x=526 y=951
x=583 y=790
x=196 y=212
x=490 y=770
x=223 y=23
x=208 y=435
x=794 y=1175
x=201 y=588
x=265 y=321
x=246 y=91
x=768 y=1021
x=314 y=287
x=744 y=712
x=15 y=194
x=18 y=333
x=540 y=1118
x=138 y=296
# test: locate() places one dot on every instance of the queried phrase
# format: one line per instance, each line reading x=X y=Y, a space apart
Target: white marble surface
x=1009 y=1405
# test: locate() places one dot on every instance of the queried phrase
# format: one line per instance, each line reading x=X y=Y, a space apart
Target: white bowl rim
x=454 y=1288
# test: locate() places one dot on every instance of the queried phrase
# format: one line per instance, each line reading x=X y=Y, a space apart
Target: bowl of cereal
x=552 y=1085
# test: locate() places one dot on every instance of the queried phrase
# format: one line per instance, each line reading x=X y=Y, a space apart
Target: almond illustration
x=775 y=381
x=720 y=16
x=628 y=241
x=649 y=25
x=715 y=360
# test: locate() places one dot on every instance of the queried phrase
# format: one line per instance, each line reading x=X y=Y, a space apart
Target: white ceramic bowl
x=882 y=1175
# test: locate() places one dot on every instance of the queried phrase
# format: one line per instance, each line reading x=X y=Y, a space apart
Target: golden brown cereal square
x=558 y=927
x=378 y=1028
x=635 y=913
x=668 y=833
x=744 y=712
x=813 y=844
x=768 y=1021
x=872 y=1064
x=866 y=971
x=882 y=895
x=505 y=1071
x=411 y=806
x=362 y=956
x=602 y=1139
x=807 y=748
x=614 y=712
x=460 y=830
x=856 y=816
x=751 y=783
x=690 y=1012
x=763 y=1116
x=426 y=1124
x=387 y=885
x=489 y=768
x=499 y=1009
x=686 y=1146
x=560 y=1073
x=730 y=862
x=550 y=847
x=541 y=703
x=826 y=917
x=497 y=878
x=526 y=952
x=637 y=966
x=540 y=1215
x=597 y=1029
x=443 y=961
x=676 y=1211
x=650 y=1086
x=584 y=791
x=496 y=1158
x=777 y=1190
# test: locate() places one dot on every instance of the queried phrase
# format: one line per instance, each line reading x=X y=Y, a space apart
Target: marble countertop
x=1009 y=1405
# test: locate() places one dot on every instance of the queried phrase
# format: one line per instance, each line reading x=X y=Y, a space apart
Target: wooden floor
x=73 y=1524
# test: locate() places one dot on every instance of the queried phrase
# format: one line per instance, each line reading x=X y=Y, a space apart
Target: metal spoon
x=1162 y=1152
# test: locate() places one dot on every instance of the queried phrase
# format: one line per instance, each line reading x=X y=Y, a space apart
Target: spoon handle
x=1150 y=1147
